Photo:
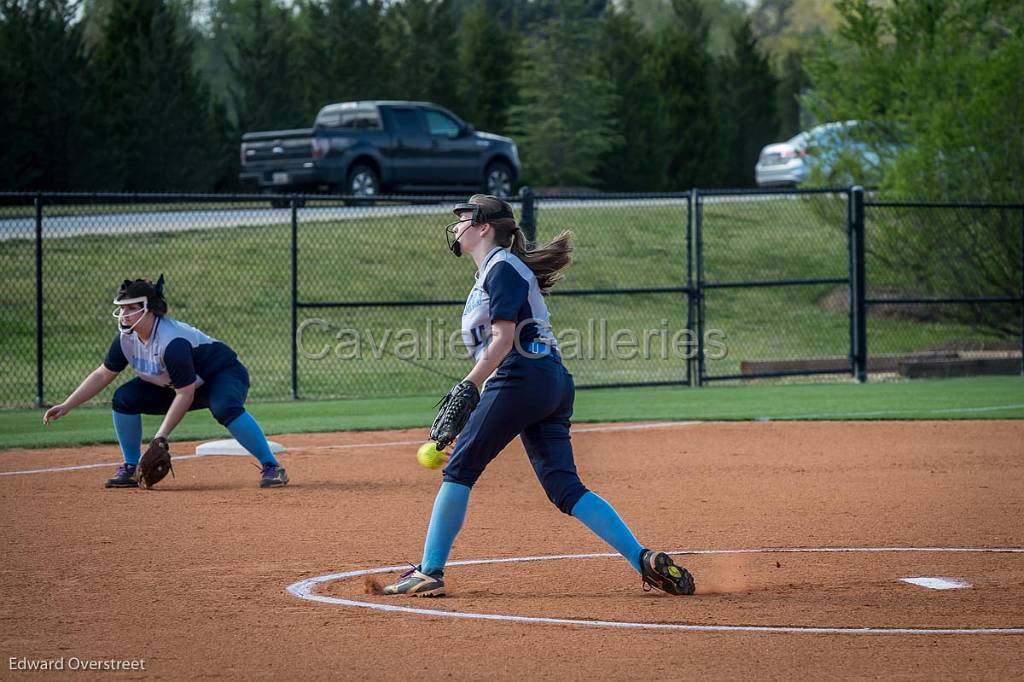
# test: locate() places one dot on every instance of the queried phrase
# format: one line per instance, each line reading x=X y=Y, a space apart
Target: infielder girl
x=179 y=369
x=528 y=394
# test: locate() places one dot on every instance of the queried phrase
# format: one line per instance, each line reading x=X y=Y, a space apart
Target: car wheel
x=362 y=182
x=498 y=179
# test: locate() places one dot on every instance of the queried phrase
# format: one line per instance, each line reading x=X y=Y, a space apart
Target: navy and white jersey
x=505 y=289
x=176 y=355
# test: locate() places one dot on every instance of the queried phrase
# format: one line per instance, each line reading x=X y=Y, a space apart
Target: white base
x=232 y=447
x=937 y=583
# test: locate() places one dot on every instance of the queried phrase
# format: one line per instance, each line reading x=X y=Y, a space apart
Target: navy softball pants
x=224 y=394
x=531 y=398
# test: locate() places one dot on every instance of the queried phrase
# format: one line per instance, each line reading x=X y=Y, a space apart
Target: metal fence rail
x=935 y=266
x=340 y=297
x=773 y=255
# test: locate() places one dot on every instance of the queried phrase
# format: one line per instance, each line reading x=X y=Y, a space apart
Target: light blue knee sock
x=128 y=428
x=249 y=434
x=445 y=523
x=601 y=517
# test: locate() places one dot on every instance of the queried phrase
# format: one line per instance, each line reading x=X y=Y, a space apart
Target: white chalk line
x=634 y=427
x=304 y=589
x=883 y=413
x=582 y=429
x=79 y=467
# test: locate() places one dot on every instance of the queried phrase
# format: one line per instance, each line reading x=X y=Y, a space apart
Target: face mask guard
x=120 y=314
x=478 y=217
x=449 y=231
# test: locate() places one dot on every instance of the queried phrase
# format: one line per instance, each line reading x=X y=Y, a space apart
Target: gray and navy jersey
x=177 y=354
x=505 y=289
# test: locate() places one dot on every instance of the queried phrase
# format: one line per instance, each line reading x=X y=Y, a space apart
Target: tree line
x=154 y=95
x=942 y=84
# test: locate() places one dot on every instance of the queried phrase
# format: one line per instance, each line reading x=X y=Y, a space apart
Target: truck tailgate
x=277 y=147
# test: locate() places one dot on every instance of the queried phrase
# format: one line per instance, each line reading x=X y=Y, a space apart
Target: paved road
x=223 y=217
x=177 y=221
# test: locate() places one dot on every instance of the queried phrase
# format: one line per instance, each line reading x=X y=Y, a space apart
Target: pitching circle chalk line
x=304 y=589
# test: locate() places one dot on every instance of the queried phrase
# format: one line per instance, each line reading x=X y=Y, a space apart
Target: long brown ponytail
x=547 y=262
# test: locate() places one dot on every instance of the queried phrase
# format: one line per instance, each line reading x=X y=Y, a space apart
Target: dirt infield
x=193 y=577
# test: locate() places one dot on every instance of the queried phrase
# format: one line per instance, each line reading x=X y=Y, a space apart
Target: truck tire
x=498 y=179
x=362 y=181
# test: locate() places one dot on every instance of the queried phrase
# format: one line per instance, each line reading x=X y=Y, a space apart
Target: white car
x=789 y=163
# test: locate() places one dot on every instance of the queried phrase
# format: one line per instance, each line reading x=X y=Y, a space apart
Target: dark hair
x=547 y=262
x=154 y=293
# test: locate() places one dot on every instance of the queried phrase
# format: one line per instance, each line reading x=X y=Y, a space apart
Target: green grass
x=235 y=284
x=975 y=398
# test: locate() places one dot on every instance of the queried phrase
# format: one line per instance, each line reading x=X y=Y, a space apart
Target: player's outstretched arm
x=98 y=379
x=183 y=398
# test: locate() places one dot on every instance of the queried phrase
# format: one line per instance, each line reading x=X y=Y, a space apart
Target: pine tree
x=223 y=152
x=683 y=71
x=487 y=53
x=793 y=82
x=47 y=119
x=341 y=53
x=749 y=108
x=564 y=123
x=420 y=50
x=260 y=59
x=638 y=160
x=156 y=109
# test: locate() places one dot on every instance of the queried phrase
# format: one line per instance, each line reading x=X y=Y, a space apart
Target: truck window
x=349 y=119
x=440 y=124
x=407 y=122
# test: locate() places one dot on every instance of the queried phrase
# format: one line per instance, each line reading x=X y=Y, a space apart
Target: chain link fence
x=333 y=298
x=227 y=268
x=380 y=297
x=943 y=288
x=771 y=265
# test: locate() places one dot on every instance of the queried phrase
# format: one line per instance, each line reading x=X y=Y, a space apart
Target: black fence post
x=689 y=289
x=1022 y=293
x=295 y=299
x=698 y=227
x=528 y=217
x=859 y=305
x=851 y=306
x=39 y=299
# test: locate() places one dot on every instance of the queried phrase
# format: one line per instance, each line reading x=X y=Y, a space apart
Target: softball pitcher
x=178 y=368
x=528 y=393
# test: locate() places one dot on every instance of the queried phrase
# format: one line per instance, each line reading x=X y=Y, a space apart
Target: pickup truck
x=372 y=147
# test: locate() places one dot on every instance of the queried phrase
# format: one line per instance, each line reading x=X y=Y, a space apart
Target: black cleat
x=124 y=478
x=273 y=476
x=658 y=570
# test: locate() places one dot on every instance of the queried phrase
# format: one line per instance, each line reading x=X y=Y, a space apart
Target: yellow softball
x=429 y=456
